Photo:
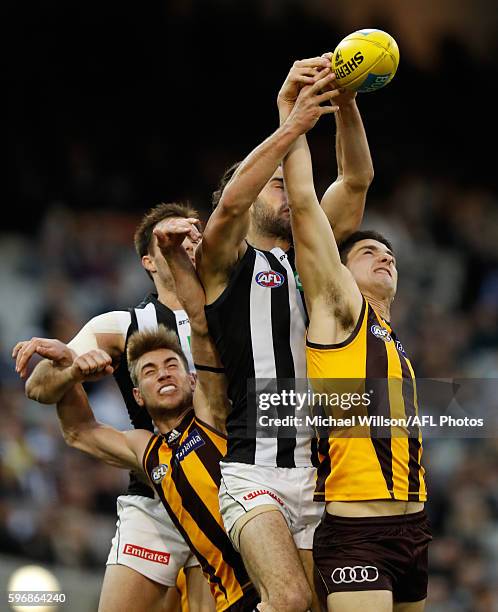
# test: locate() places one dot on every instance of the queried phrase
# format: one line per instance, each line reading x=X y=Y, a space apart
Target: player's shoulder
x=140 y=441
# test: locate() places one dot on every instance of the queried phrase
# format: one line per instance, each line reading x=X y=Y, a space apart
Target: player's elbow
x=72 y=436
x=359 y=182
x=300 y=200
x=231 y=203
x=35 y=391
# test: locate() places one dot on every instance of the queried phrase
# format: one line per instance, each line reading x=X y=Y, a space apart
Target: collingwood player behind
x=370 y=550
x=132 y=582
x=266 y=493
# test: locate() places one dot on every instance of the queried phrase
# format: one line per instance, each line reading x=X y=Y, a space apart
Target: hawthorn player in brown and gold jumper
x=370 y=550
x=181 y=461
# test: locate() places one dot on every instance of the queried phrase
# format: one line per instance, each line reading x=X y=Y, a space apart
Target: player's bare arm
x=332 y=296
x=80 y=428
x=123 y=449
x=223 y=239
x=210 y=397
x=344 y=200
x=106 y=332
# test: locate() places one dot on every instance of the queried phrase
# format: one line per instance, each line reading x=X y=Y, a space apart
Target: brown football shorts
x=373 y=553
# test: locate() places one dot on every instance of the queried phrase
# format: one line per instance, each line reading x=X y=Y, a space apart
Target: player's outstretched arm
x=344 y=200
x=106 y=331
x=210 y=397
x=223 y=239
x=328 y=286
x=122 y=449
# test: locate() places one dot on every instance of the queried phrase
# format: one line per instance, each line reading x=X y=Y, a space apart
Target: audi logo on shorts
x=358 y=573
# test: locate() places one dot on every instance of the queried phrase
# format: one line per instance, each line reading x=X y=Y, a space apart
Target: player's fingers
x=102 y=359
x=24 y=355
x=194 y=221
x=195 y=234
x=328 y=95
x=306 y=80
x=86 y=364
x=17 y=348
x=327 y=110
x=311 y=62
x=322 y=81
x=48 y=351
x=328 y=55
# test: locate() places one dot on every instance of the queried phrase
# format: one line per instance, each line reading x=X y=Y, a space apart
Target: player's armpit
x=221 y=247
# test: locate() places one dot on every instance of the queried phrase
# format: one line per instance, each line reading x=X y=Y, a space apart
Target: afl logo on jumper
x=381 y=333
x=270 y=279
x=159 y=472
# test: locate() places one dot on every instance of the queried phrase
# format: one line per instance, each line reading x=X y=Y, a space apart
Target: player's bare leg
x=198 y=592
x=307 y=561
x=380 y=601
x=125 y=590
x=411 y=606
x=273 y=563
x=172 y=601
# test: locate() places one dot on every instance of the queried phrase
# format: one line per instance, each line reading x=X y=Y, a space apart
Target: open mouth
x=167 y=389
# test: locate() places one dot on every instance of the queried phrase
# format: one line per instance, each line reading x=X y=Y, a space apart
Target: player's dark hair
x=225 y=179
x=346 y=246
x=141 y=342
x=143 y=233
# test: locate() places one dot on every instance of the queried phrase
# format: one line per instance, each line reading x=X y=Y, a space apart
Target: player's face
x=163 y=382
x=270 y=212
x=373 y=266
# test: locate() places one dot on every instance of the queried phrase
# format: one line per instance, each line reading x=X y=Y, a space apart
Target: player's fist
x=93 y=365
x=171 y=233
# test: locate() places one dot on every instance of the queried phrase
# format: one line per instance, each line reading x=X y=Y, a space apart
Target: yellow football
x=365 y=60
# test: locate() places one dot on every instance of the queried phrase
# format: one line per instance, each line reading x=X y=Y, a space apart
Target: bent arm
x=210 y=398
x=82 y=431
x=344 y=200
x=229 y=223
x=48 y=380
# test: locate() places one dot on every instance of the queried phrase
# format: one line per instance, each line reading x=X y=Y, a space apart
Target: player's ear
x=193 y=379
x=148 y=263
x=138 y=397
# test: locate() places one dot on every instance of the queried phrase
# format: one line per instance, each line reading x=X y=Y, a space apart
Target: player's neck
x=168 y=297
x=166 y=422
x=383 y=307
x=266 y=242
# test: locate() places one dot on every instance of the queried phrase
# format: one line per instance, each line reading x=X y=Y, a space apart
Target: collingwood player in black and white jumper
x=256 y=317
x=132 y=581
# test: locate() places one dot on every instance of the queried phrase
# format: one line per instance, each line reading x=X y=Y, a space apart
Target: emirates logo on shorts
x=357 y=573
x=148 y=554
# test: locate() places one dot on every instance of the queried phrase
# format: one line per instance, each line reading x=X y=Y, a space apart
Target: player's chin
x=169 y=400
